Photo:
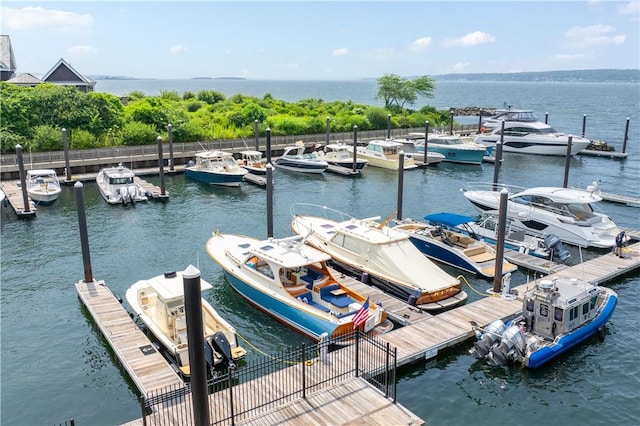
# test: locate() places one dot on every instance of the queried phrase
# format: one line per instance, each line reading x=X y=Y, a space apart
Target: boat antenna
x=244 y=142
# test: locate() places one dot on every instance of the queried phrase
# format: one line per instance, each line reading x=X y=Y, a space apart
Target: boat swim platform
x=13 y=194
x=609 y=154
x=148 y=369
x=255 y=179
x=344 y=171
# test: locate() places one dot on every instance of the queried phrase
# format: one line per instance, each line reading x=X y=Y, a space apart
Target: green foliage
x=188 y=95
x=189 y=132
x=107 y=112
x=137 y=133
x=210 y=96
x=46 y=138
x=136 y=95
x=194 y=106
x=170 y=95
x=9 y=140
x=396 y=90
x=378 y=117
x=83 y=139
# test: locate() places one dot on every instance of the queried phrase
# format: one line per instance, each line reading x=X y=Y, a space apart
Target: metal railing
x=237 y=394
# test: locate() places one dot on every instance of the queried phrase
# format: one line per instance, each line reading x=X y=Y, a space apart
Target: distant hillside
x=604 y=75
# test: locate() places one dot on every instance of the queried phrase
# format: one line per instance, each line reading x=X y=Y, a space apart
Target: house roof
x=25 y=78
x=63 y=72
x=7 y=59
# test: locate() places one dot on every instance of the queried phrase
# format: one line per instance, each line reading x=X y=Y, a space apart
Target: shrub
x=137 y=133
x=210 y=96
x=82 y=139
x=46 y=138
x=9 y=141
x=194 y=106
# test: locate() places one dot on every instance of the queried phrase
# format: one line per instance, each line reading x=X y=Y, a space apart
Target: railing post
x=357 y=352
x=144 y=411
x=232 y=368
x=395 y=372
x=304 y=381
x=386 y=372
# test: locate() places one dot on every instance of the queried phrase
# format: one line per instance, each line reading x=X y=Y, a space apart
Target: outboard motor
x=552 y=242
x=124 y=193
x=485 y=342
x=132 y=193
x=220 y=344
x=512 y=345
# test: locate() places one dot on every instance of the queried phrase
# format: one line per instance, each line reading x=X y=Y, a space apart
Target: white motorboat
x=508 y=114
x=556 y=316
x=454 y=248
x=294 y=159
x=409 y=147
x=452 y=147
x=290 y=281
x=385 y=154
x=43 y=186
x=340 y=154
x=215 y=168
x=486 y=229
x=388 y=257
x=565 y=212
x=253 y=162
x=117 y=185
x=159 y=304
x=532 y=137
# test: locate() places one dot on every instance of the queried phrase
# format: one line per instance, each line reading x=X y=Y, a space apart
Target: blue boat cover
x=449 y=219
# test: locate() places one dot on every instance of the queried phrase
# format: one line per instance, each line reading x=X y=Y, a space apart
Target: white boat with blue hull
x=215 y=168
x=452 y=147
x=294 y=159
x=556 y=316
x=453 y=248
x=486 y=229
x=291 y=282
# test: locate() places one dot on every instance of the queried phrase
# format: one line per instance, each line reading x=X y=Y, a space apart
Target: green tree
x=398 y=91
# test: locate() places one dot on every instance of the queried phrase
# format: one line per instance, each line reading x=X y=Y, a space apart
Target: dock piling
x=502 y=222
x=355 y=148
x=584 y=124
x=171 y=159
x=388 y=126
x=256 y=133
x=268 y=131
x=326 y=139
x=195 y=337
x=626 y=137
x=567 y=162
x=269 y=200
x=65 y=147
x=161 y=167
x=23 y=180
x=84 y=236
x=400 y=183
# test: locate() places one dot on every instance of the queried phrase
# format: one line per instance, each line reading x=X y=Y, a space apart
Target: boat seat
x=474 y=251
x=517 y=235
x=181 y=329
x=341 y=301
x=483 y=257
x=308 y=299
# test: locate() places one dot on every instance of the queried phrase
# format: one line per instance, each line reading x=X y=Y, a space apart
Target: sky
x=320 y=40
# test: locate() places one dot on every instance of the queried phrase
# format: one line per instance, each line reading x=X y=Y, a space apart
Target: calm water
x=55 y=365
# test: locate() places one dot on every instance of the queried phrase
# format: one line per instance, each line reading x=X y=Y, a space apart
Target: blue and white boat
x=294 y=159
x=290 y=281
x=453 y=248
x=485 y=228
x=454 y=149
x=556 y=316
x=215 y=168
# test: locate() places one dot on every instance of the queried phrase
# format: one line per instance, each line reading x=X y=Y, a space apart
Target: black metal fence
x=247 y=391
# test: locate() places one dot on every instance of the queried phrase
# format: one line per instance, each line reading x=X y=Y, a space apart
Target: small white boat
x=43 y=186
x=215 y=168
x=556 y=316
x=253 y=162
x=386 y=154
x=454 y=248
x=294 y=159
x=291 y=282
x=565 y=212
x=387 y=255
x=409 y=147
x=340 y=154
x=452 y=147
x=159 y=304
x=117 y=185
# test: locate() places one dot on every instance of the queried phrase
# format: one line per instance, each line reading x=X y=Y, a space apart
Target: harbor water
x=56 y=366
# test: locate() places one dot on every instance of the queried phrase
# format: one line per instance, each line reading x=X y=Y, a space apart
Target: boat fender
x=412 y=300
x=482 y=129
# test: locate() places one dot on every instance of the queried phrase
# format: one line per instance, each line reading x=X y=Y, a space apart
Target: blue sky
x=307 y=40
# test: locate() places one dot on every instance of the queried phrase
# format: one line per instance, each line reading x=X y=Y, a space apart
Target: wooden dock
x=533 y=263
x=13 y=195
x=620 y=199
x=154 y=192
x=344 y=171
x=609 y=154
x=145 y=365
x=255 y=179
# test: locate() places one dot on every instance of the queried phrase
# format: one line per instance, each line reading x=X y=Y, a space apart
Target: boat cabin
x=560 y=306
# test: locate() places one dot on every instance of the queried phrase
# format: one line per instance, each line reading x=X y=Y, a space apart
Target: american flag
x=362 y=315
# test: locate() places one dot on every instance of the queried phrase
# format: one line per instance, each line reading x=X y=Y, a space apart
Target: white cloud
x=631 y=8
x=461 y=66
x=80 y=50
x=472 y=39
x=177 y=49
x=420 y=44
x=341 y=51
x=567 y=57
x=593 y=36
x=29 y=18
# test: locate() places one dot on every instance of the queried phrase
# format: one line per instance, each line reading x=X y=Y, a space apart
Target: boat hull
x=569 y=341
x=301 y=166
x=556 y=147
x=213 y=178
x=44 y=198
x=462 y=156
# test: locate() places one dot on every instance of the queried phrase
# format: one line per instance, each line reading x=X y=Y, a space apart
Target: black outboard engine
x=489 y=337
x=552 y=242
x=221 y=345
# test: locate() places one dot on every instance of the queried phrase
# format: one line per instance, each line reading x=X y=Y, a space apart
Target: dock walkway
x=13 y=195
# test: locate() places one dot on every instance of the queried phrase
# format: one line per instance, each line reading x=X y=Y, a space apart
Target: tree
x=398 y=91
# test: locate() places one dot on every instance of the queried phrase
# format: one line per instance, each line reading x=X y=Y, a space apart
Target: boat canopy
x=449 y=219
x=169 y=289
